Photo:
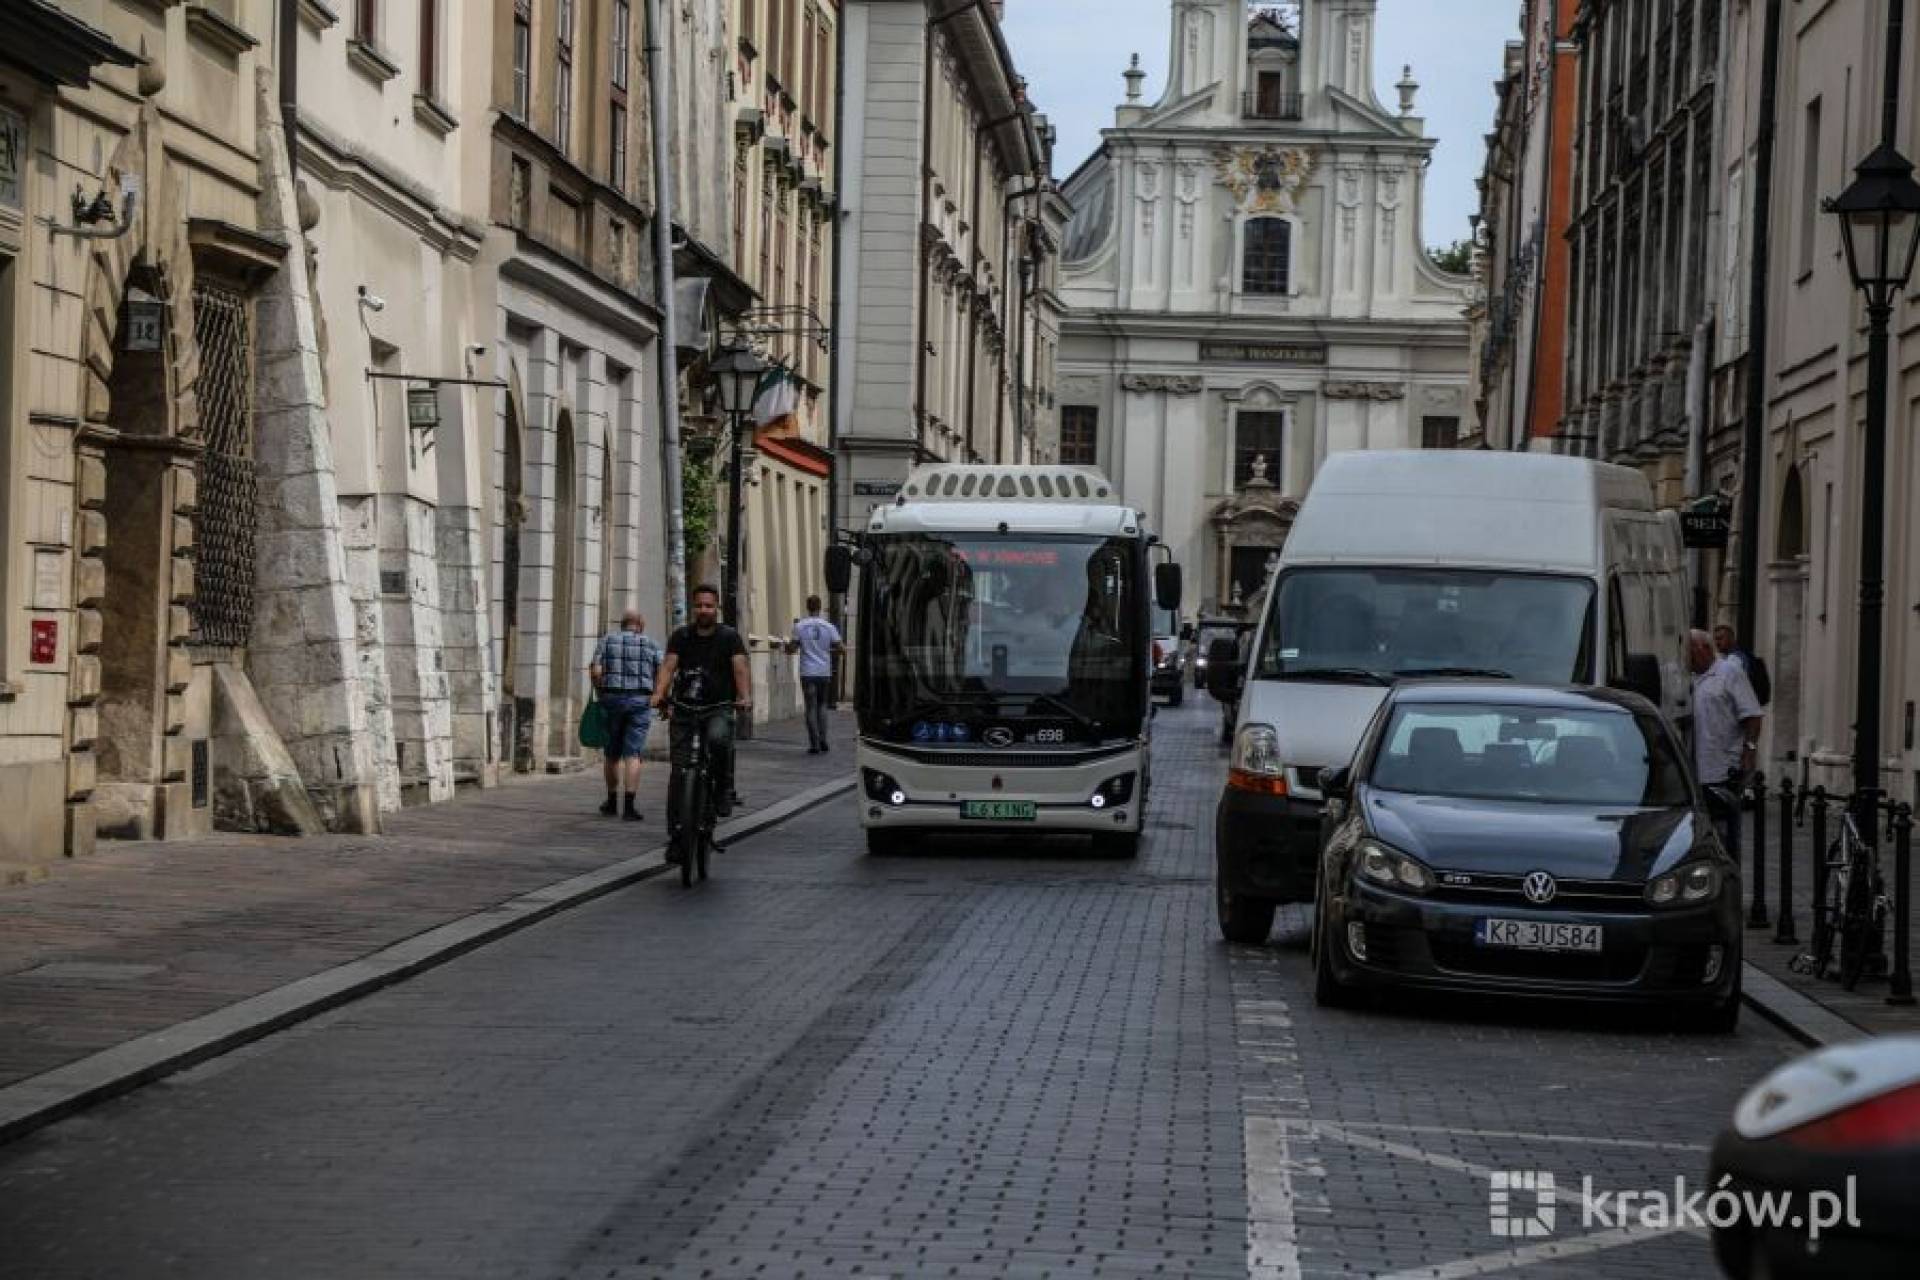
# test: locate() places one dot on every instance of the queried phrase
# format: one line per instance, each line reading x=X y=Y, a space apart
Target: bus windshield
x=982 y=619
x=1357 y=623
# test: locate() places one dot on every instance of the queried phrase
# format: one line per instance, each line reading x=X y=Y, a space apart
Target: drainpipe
x=1753 y=429
x=836 y=604
x=289 y=41
x=660 y=86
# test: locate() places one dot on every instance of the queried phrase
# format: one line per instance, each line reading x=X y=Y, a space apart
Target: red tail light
x=1890 y=1120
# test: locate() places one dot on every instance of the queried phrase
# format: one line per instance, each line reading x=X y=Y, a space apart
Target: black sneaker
x=610 y=808
x=723 y=804
x=633 y=815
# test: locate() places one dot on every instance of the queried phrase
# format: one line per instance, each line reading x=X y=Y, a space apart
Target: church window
x=1265 y=260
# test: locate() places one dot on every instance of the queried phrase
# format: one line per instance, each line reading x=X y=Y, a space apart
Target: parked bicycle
x=1855 y=920
x=691 y=814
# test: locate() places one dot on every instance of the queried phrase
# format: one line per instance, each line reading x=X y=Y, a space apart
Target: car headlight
x=1255 y=764
x=1688 y=882
x=1390 y=867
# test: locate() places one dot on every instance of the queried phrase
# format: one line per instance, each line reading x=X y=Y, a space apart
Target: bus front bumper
x=973 y=792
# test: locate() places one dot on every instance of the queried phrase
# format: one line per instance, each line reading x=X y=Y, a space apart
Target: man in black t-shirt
x=719 y=657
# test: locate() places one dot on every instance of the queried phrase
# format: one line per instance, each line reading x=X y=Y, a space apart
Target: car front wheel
x=1328 y=991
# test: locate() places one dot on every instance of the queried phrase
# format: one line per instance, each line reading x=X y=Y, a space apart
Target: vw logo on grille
x=1539 y=887
x=998 y=736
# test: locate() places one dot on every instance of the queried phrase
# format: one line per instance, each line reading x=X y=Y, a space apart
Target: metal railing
x=1255 y=105
x=1813 y=808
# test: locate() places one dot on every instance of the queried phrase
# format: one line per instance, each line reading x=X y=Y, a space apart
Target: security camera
x=372 y=301
x=479 y=348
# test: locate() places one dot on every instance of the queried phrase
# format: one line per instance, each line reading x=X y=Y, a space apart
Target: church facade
x=1246 y=285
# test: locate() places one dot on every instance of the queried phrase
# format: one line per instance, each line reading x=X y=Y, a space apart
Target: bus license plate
x=1537 y=935
x=998 y=810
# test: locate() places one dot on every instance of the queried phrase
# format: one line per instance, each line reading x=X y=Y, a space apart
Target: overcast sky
x=1073 y=51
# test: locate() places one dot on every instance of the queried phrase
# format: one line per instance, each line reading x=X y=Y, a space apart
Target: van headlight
x=1256 y=765
x=1385 y=865
x=1687 y=883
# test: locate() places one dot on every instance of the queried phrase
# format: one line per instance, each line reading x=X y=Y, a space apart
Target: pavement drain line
x=53 y=1095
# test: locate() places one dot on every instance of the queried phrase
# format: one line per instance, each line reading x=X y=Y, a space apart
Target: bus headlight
x=882 y=787
x=1115 y=790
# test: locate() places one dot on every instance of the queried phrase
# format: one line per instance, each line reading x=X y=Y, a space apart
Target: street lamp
x=736 y=374
x=1880 y=225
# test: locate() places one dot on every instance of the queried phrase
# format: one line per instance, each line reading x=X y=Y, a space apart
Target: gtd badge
x=998 y=736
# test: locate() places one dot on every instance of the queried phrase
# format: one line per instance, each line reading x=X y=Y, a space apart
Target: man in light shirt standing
x=816 y=641
x=1726 y=725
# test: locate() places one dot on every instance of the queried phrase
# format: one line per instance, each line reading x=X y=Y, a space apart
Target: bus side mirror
x=1224 y=675
x=839 y=569
x=1641 y=675
x=1166 y=586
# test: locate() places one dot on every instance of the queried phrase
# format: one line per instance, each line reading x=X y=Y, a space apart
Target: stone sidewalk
x=140 y=937
x=1866 y=1006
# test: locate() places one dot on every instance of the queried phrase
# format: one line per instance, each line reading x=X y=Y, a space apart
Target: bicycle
x=690 y=810
x=1856 y=911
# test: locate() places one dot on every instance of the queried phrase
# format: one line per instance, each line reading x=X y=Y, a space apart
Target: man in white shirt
x=816 y=641
x=1726 y=723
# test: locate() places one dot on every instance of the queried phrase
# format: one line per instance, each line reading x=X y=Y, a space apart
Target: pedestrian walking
x=818 y=642
x=716 y=651
x=625 y=665
x=1726 y=726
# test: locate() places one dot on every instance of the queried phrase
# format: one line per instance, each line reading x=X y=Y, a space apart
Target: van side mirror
x=1335 y=784
x=839 y=569
x=1641 y=675
x=1166 y=586
x=1225 y=675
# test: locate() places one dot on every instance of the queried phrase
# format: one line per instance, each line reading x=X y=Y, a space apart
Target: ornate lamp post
x=736 y=374
x=1880 y=225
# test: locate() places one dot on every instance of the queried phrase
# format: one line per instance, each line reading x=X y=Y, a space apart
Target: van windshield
x=1344 y=623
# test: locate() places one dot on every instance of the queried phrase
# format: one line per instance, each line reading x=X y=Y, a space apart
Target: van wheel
x=884 y=843
x=1242 y=919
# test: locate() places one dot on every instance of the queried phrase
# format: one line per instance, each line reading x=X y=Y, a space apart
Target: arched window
x=1266 y=256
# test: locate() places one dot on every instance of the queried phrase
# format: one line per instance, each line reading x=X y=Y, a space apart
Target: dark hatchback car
x=1513 y=838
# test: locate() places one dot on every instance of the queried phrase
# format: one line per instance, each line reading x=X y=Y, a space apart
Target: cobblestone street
x=976 y=1060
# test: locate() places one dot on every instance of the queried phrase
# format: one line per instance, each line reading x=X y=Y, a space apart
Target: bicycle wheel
x=1856 y=938
x=706 y=850
x=691 y=798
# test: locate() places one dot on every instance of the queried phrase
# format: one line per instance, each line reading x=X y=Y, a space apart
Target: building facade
x=1522 y=235
x=1246 y=285
x=1646 y=224
x=947 y=201
x=782 y=239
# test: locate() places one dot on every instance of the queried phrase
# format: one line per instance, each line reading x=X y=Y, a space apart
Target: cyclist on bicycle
x=715 y=653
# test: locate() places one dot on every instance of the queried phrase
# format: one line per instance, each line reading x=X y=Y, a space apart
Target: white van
x=1551 y=570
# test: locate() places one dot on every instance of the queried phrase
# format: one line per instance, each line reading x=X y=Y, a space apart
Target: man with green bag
x=623 y=670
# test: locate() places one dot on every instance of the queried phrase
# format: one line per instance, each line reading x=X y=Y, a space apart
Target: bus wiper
x=1485 y=673
x=1348 y=675
x=1068 y=710
x=944 y=705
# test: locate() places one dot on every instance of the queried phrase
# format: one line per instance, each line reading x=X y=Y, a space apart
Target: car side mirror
x=1641 y=675
x=1166 y=586
x=1336 y=784
x=1225 y=675
x=839 y=569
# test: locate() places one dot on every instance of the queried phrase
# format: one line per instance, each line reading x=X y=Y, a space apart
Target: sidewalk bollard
x=1819 y=868
x=1900 y=981
x=1757 y=913
x=1784 y=932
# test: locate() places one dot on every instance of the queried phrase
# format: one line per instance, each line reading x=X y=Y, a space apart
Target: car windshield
x=1398 y=622
x=982 y=619
x=1547 y=755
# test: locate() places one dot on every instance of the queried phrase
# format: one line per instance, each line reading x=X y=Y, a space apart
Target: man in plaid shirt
x=623 y=669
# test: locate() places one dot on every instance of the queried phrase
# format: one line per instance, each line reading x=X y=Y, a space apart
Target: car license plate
x=998 y=810
x=1537 y=935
